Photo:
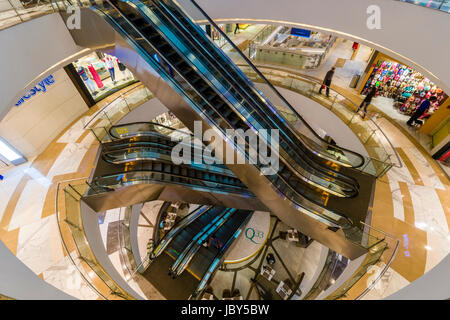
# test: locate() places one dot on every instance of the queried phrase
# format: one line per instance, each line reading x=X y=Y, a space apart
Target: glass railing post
x=96 y=137
x=110 y=122
x=107 y=134
x=351 y=119
x=15 y=10
x=334 y=101
x=371 y=135
x=126 y=102
x=368 y=161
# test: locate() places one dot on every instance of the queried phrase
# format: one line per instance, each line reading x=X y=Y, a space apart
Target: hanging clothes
x=95 y=75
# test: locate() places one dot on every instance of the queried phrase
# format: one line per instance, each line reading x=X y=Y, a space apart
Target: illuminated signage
x=301 y=32
x=40 y=87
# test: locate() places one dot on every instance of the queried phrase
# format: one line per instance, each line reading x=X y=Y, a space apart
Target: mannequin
x=122 y=68
x=110 y=66
x=95 y=75
x=83 y=74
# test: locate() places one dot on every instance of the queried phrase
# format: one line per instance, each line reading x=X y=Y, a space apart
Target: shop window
x=103 y=74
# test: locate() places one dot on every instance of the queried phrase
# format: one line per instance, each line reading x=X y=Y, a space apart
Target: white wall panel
x=31 y=126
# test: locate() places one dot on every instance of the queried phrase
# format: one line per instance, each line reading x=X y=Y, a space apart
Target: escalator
x=197 y=242
x=238 y=110
x=313 y=189
x=144 y=161
x=200 y=225
x=179 y=227
x=183 y=250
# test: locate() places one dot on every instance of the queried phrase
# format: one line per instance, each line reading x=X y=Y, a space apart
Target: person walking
x=327 y=81
x=424 y=106
x=367 y=100
x=237 y=28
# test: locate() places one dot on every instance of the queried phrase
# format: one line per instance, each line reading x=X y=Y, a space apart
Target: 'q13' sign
x=41 y=86
x=254 y=236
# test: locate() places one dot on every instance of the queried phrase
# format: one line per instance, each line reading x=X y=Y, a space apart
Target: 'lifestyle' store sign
x=41 y=86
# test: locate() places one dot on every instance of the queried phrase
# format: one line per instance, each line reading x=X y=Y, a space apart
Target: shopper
x=424 y=106
x=367 y=100
x=214 y=241
x=327 y=81
x=270 y=259
x=237 y=28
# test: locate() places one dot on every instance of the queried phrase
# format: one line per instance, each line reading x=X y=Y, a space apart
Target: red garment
x=355 y=45
x=97 y=79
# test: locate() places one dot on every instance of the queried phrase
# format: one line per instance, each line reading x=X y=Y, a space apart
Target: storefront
x=102 y=75
x=293 y=47
x=407 y=87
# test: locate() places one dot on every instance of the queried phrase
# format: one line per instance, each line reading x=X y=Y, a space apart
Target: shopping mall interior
x=136 y=164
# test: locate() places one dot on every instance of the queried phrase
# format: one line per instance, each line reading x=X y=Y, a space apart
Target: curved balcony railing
x=13 y=12
x=442 y=5
x=111 y=113
x=68 y=210
x=382 y=154
x=368 y=277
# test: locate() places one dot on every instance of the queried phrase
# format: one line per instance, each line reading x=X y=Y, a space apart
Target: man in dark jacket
x=424 y=106
x=367 y=100
x=327 y=81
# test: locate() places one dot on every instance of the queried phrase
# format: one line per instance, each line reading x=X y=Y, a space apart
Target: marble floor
x=28 y=224
x=411 y=203
x=290 y=262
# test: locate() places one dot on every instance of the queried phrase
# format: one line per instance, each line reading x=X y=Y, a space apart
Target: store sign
x=40 y=87
x=301 y=32
x=254 y=236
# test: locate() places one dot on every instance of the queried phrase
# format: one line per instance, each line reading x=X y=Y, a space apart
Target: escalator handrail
x=321 y=172
x=239 y=189
x=146 y=123
x=166 y=158
x=270 y=84
x=232 y=176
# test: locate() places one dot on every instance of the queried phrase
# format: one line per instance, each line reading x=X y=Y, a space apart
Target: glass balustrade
x=382 y=155
x=73 y=235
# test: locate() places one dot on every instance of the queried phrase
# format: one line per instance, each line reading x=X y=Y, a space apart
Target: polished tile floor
x=411 y=203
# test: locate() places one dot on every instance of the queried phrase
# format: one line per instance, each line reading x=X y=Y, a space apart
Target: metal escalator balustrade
x=144 y=130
